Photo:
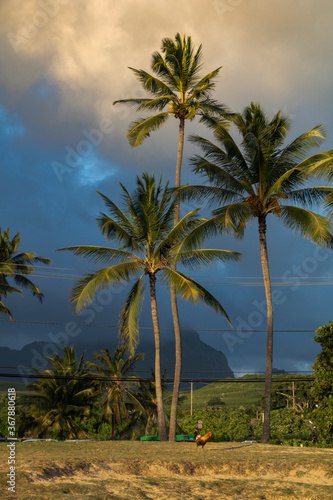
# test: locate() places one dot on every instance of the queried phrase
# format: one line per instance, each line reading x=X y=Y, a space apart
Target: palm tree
x=16 y=266
x=117 y=372
x=146 y=395
x=149 y=244
x=262 y=177
x=175 y=83
x=64 y=392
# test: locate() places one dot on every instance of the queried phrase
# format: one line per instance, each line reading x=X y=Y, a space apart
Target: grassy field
x=152 y=470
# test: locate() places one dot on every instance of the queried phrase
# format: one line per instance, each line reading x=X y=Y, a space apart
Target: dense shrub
x=322 y=417
x=225 y=425
x=286 y=425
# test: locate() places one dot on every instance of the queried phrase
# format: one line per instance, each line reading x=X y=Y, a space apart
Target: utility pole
x=191 y=397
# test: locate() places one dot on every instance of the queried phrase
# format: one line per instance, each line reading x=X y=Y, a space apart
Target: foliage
x=144 y=418
x=115 y=369
x=63 y=393
x=282 y=393
x=149 y=243
x=175 y=83
x=322 y=389
x=286 y=425
x=16 y=266
x=323 y=418
x=323 y=367
x=225 y=425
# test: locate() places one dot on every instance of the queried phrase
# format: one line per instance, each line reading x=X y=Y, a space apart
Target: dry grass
x=152 y=470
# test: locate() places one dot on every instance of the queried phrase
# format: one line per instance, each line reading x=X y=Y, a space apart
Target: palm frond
x=177 y=233
x=26 y=283
x=134 y=101
x=310 y=196
x=129 y=315
x=5 y=310
x=196 y=258
x=297 y=150
x=320 y=166
x=312 y=226
x=205 y=80
x=152 y=84
x=139 y=130
x=98 y=254
x=30 y=258
x=211 y=195
x=204 y=229
x=86 y=288
x=233 y=217
x=112 y=229
x=192 y=291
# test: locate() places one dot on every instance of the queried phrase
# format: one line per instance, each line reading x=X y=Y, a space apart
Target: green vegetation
x=322 y=390
x=113 y=369
x=63 y=396
x=16 y=266
x=229 y=394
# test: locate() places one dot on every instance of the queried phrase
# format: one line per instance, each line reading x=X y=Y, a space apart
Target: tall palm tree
x=149 y=244
x=16 y=266
x=114 y=369
x=176 y=82
x=260 y=177
x=64 y=392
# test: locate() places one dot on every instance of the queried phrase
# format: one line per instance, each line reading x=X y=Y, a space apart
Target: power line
x=191 y=371
x=164 y=380
x=299 y=280
x=148 y=327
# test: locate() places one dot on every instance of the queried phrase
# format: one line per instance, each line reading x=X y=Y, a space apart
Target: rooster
x=201 y=441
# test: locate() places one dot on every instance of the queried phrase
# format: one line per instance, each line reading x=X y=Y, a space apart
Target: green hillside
x=225 y=393
x=245 y=391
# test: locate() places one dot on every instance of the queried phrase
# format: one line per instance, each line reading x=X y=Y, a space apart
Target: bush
x=323 y=419
x=286 y=425
x=225 y=425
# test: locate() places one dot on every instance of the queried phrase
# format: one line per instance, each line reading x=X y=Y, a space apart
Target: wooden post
x=191 y=397
x=294 y=406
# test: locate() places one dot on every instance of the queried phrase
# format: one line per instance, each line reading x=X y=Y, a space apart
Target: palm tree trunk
x=158 y=383
x=174 y=306
x=269 y=349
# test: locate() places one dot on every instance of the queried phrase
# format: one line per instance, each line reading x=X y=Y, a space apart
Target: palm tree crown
x=149 y=243
x=114 y=369
x=176 y=84
x=63 y=393
x=263 y=176
x=16 y=266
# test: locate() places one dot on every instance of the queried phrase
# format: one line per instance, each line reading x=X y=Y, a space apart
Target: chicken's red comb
x=209 y=433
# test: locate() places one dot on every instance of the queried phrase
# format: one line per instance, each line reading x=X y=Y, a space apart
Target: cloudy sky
x=63 y=63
